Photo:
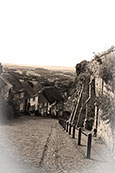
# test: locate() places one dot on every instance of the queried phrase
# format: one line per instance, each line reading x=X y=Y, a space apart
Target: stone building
x=5 y=88
x=55 y=100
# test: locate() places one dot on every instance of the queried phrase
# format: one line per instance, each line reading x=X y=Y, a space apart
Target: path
x=42 y=145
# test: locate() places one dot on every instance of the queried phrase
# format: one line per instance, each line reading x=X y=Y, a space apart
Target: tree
x=107 y=69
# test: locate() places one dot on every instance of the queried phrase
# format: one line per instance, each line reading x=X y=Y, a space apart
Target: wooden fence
x=68 y=128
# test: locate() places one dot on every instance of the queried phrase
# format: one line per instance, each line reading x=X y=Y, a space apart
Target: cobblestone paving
x=33 y=145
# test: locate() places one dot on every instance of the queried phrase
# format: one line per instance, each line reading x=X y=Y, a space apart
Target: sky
x=55 y=32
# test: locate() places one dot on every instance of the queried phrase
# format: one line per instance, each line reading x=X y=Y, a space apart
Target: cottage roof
x=52 y=94
x=37 y=88
x=28 y=90
x=42 y=99
x=17 y=86
x=4 y=82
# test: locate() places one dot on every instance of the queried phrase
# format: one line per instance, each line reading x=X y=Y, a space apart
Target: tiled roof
x=37 y=88
x=17 y=86
x=28 y=90
x=4 y=82
x=52 y=94
x=41 y=98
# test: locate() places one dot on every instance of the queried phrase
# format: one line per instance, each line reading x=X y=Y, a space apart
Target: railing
x=76 y=109
x=68 y=127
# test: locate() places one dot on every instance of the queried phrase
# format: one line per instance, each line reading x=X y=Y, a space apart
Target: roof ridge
x=5 y=80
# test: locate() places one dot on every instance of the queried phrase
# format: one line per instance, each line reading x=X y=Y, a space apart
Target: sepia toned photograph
x=57 y=86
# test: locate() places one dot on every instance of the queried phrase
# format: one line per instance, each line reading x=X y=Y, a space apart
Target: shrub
x=107 y=69
x=107 y=105
x=82 y=67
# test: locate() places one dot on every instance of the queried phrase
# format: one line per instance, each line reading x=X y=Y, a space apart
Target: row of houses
x=29 y=96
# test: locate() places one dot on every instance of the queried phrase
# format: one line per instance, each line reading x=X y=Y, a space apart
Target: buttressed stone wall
x=103 y=70
x=94 y=108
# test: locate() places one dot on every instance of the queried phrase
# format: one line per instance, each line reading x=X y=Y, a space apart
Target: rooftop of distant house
x=17 y=86
x=42 y=99
x=52 y=94
x=28 y=89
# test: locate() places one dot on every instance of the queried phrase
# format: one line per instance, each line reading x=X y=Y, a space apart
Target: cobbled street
x=34 y=144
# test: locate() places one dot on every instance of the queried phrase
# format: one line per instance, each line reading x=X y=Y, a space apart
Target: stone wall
x=105 y=98
x=98 y=97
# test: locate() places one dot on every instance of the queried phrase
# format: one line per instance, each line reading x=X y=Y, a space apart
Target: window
x=45 y=104
x=34 y=98
x=42 y=112
x=21 y=106
x=17 y=96
x=32 y=108
x=21 y=95
x=40 y=105
x=44 y=109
